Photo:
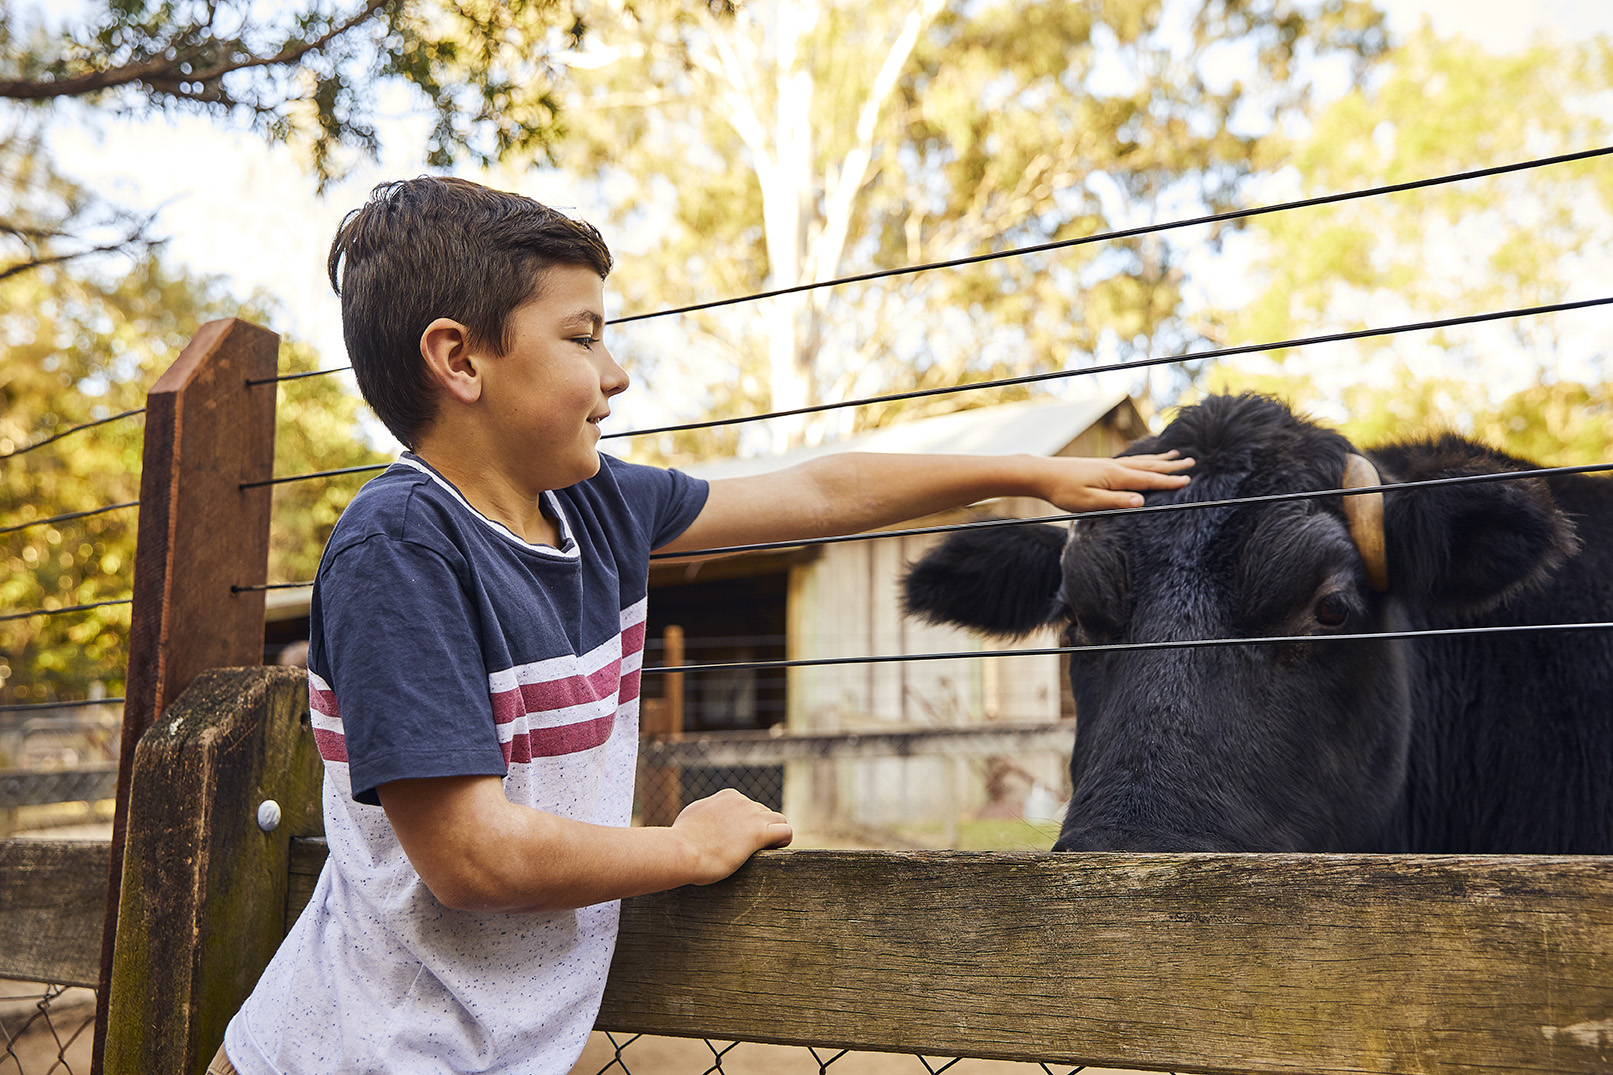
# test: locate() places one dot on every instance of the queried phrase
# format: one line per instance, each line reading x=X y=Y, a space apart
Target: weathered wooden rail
x=1216 y=963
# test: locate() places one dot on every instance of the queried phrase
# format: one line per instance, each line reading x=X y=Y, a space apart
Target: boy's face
x=547 y=395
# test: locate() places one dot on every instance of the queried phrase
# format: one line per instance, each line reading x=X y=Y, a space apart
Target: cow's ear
x=1003 y=580
x=1466 y=548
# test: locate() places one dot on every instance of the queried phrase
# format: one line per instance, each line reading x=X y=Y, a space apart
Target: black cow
x=1498 y=742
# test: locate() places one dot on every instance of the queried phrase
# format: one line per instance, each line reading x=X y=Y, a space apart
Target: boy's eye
x=586 y=341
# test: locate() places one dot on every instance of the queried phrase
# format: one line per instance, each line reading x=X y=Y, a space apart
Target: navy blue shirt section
x=422 y=607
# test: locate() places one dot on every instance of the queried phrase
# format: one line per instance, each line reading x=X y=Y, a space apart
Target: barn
x=840 y=600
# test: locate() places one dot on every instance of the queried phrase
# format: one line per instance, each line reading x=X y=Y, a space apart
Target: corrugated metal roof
x=1039 y=427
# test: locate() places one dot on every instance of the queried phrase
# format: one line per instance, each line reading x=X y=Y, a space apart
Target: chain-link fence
x=991 y=786
x=58 y=765
x=635 y=1054
x=46 y=1029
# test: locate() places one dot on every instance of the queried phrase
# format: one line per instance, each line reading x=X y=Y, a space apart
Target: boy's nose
x=612 y=378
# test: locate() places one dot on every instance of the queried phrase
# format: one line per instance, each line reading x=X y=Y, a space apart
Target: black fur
x=1478 y=743
x=1001 y=580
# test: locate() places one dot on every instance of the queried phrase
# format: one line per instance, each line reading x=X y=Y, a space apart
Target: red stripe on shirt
x=553 y=694
x=565 y=739
x=332 y=745
x=323 y=701
x=629 y=688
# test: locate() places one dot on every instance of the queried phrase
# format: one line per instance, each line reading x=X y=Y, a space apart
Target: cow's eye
x=1333 y=610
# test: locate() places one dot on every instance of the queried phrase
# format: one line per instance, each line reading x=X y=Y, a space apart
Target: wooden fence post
x=661 y=791
x=206 y=867
x=199 y=534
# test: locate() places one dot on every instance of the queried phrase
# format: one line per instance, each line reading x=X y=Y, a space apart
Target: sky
x=234 y=206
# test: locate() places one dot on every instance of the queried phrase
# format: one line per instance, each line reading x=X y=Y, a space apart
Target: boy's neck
x=525 y=514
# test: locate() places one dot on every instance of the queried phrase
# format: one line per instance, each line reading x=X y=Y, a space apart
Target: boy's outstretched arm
x=477 y=851
x=854 y=491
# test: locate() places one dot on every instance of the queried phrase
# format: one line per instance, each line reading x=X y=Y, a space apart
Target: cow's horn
x=1364 y=513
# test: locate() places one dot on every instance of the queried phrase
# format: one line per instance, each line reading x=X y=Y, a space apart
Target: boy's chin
x=587 y=469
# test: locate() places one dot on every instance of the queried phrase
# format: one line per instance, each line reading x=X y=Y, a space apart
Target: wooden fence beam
x=1214 y=963
x=1206 y=963
x=54 y=895
x=204 y=884
x=199 y=534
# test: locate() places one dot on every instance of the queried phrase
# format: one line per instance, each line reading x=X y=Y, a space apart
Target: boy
x=477 y=630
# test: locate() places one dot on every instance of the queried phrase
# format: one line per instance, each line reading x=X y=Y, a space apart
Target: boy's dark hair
x=436 y=246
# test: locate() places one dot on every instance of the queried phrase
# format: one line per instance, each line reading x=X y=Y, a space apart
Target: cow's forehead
x=1193 y=535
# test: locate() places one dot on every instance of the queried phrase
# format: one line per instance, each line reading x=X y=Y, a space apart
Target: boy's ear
x=450 y=360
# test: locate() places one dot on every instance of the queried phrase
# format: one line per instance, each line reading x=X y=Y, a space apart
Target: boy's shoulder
x=412 y=503
x=387 y=494
x=403 y=502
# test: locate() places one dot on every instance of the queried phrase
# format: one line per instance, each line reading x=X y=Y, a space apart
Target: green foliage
x=1009 y=124
x=1523 y=239
x=310 y=72
x=1555 y=424
x=1526 y=239
x=74 y=350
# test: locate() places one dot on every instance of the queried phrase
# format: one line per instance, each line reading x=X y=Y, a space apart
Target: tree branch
x=164 y=73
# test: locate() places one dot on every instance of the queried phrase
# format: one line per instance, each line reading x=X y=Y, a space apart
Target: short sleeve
x=665 y=501
x=399 y=641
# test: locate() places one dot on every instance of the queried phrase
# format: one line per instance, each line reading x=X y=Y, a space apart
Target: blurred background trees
x=1536 y=386
x=794 y=142
x=737 y=148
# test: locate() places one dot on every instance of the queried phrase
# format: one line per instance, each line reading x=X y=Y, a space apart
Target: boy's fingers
x=1170 y=461
x=1101 y=499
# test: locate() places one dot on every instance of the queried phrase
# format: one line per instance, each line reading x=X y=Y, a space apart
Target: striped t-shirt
x=444 y=645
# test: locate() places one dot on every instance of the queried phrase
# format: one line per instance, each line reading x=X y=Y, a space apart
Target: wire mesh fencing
x=991 y=786
x=610 y=1053
x=46 y=1029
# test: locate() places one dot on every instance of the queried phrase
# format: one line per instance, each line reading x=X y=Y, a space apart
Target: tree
x=1523 y=239
x=801 y=141
x=74 y=349
x=80 y=341
x=1556 y=424
x=306 y=73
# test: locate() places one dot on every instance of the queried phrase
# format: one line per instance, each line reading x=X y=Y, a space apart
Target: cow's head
x=1274 y=746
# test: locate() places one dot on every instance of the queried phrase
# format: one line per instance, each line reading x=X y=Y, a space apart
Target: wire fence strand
x=69 y=432
x=1146 y=509
x=68 y=517
x=1068 y=517
x=1083 y=240
x=1051 y=375
x=64 y=610
x=30 y=707
x=1131 y=647
x=1132 y=364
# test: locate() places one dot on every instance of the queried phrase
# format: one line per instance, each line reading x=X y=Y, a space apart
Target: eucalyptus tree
x=792 y=142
